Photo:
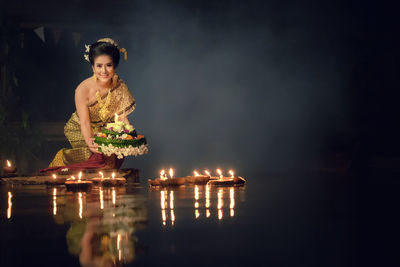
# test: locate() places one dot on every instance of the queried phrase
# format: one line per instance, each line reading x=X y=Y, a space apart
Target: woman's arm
x=81 y=96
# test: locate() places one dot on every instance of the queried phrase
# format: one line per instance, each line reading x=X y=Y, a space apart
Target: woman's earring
x=94 y=77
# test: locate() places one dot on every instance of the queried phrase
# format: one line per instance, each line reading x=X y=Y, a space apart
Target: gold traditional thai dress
x=119 y=100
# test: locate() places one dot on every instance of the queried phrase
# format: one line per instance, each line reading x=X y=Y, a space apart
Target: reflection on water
x=202 y=196
x=9 y=205
x=102 y=223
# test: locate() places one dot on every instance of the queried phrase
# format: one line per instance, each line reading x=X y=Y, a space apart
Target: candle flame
x=171 y=173
x=102 y=175
x=231 y=173
x=196 y=173
x=207 y=173
x=220 y=173
x=162 y=175
x=8 y=163
x=54 y=176
x=79 y=176
x=113 y=175
x=72 y=177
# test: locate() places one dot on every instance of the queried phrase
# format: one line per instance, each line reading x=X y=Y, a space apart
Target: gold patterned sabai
x=118 y=100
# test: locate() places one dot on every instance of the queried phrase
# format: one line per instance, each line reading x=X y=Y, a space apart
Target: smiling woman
x=97 y=100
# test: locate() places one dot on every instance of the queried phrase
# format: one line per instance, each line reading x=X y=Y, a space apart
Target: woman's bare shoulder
x=84 y=86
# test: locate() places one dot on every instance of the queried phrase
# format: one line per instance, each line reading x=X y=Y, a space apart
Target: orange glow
x=162 y=175
x=196 y=192
x=9 y=205
x=72 y=177
x=8 y=163
x=79 y=176
x=164 y=217
x=163 y=203
x=113 y=196
x=231 y=173
x=101 y=198
x=54 y=176
x=197 y=213
x=220 y=214
x=207 y=196
x=208 y=214
x=196 y=173
x=172 y=217
x=54 y=201
x=80 y=205
x=163 y=200
x=220 y=200
x=171 y=200
x=207 y=173
x=232 y=198
x=171 y=173
x=113 y=175
x=102 y=175
x=220 y=173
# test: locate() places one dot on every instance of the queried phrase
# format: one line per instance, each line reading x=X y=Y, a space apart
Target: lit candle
x=220 y=173
x=102 y=175
x=162 y=175
x=196 y=196
x=9 y=168
x=196 y=173
x=113 y=175
x=171 y=173
x=79 y=176
x=231 y=173
x=54 y=176
x=207 y=173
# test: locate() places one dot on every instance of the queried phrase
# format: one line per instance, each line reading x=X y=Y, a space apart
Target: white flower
x=87 y=48
x=86 y=56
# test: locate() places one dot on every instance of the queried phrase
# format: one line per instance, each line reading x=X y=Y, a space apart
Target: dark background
x=251 y=85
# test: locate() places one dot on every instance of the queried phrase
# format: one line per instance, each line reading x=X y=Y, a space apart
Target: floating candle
x=197 y=178
x=55 y=180
x=9 y=168
x=78 y=185
x=114 y=181
x=220 y=174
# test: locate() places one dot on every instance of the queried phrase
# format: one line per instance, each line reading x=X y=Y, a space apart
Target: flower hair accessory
x=107 y=40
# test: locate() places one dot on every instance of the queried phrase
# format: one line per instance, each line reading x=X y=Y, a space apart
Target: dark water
x=316 y=220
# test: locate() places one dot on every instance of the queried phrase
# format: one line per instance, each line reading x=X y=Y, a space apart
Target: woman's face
x=103 y=68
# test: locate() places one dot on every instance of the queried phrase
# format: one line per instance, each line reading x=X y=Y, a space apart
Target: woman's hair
x=101 y=48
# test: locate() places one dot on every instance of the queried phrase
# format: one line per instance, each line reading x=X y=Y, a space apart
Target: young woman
x=97 y=100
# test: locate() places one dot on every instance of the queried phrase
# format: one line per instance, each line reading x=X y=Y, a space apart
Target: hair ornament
x=106 y=40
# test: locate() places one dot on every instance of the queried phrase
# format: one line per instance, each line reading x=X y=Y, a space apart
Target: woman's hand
x=93 y=146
